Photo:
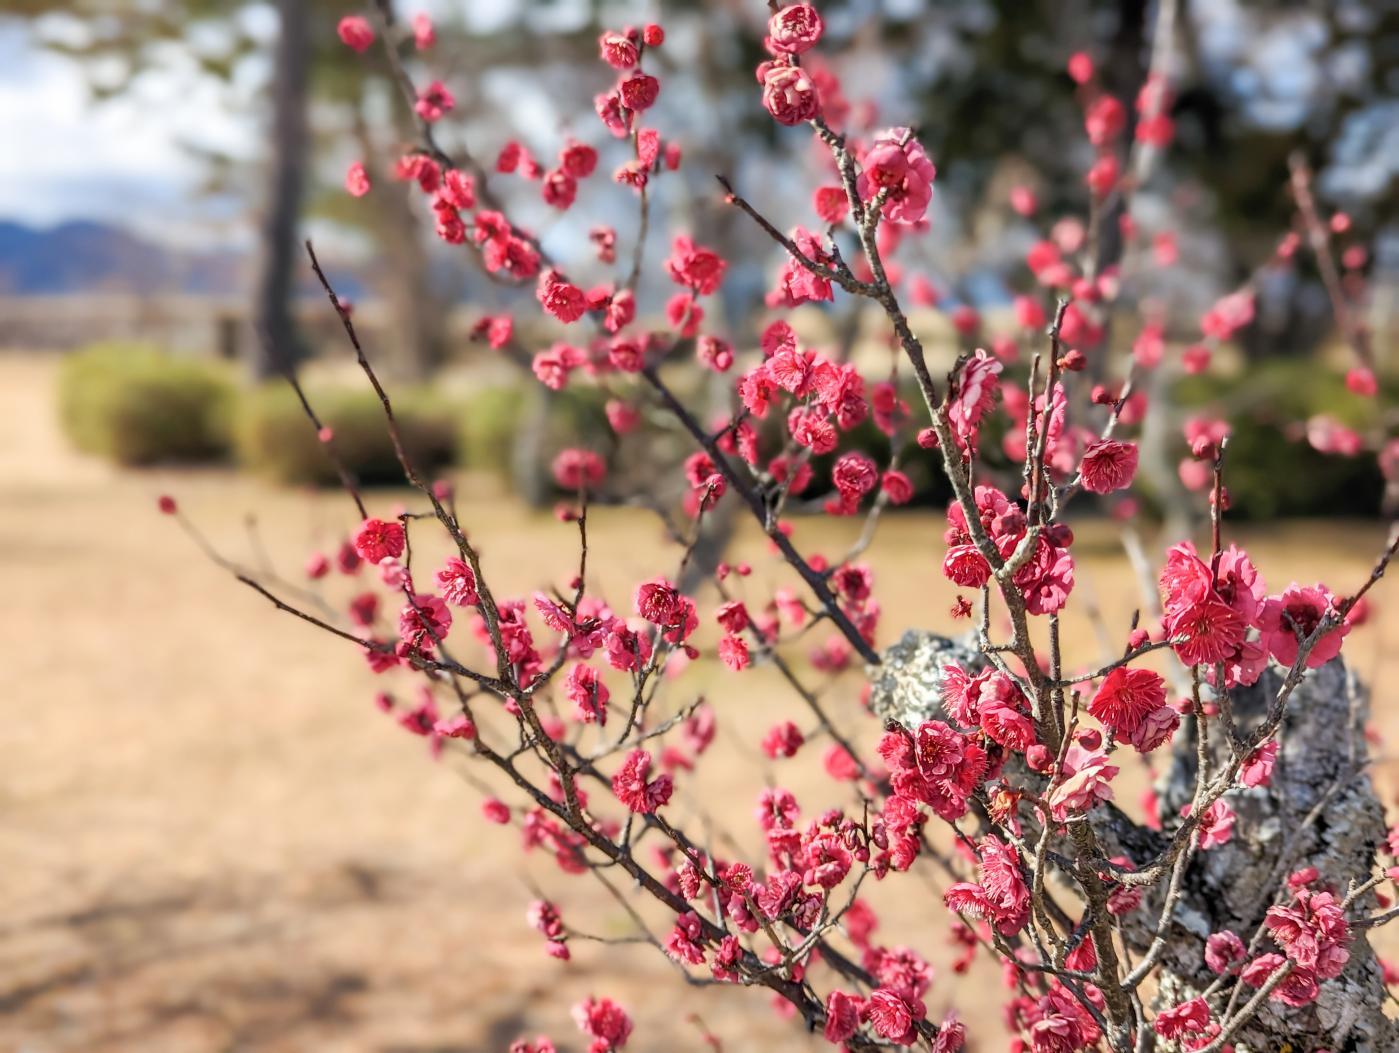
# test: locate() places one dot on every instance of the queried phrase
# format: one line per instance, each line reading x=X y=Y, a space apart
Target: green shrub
x=137 y=405
x=1281 y=390
x=578 y=417
x=273 y=435
x=1272 y=470
x=492 y=419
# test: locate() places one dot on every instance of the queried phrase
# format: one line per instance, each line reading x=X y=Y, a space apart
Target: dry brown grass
x=212 y=840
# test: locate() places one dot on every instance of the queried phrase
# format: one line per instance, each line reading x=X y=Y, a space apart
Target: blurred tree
x=1253 y=79
x=315 y=91
x=278 y=346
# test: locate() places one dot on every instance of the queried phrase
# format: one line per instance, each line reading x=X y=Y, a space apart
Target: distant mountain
x=85 y=256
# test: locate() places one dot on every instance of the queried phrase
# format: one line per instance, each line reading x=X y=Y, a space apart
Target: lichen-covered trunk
x=1319 y=810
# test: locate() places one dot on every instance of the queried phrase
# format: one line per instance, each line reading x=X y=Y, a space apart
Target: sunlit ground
x=211 y=839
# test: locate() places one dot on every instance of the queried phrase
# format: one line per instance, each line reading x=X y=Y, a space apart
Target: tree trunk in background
x=529 y=466
x=277 y=347
x=1320 y=809
x=720 y=523
x=1124 y=72
x=417 y=309
x=1161 y=431
x=419 y=314
x=717 y=154
x=1292 y=318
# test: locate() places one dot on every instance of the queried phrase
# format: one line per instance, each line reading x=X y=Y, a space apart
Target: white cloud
x=65 y=156
x=68 y=157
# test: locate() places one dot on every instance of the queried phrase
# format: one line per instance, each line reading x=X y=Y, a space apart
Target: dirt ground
x=211 y=840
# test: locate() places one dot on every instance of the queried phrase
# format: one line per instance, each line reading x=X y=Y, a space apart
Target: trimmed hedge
x=1272 y=470
x=492 y=418
x=274 y=437
x=136 y=405
x=489 y=420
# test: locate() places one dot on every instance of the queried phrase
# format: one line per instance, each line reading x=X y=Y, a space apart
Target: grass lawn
x=212 y=840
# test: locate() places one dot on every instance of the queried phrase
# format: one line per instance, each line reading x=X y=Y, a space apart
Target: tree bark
x=278 y=347
x=529 y=466
x=1319 y=810
x=418 y=311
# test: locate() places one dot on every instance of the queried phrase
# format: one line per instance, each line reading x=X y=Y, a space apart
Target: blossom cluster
x=1001 y=791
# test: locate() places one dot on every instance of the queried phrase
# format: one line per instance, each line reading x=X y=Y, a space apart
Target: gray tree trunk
x=1320 y=810
x=529 y=463
x=278 y=347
